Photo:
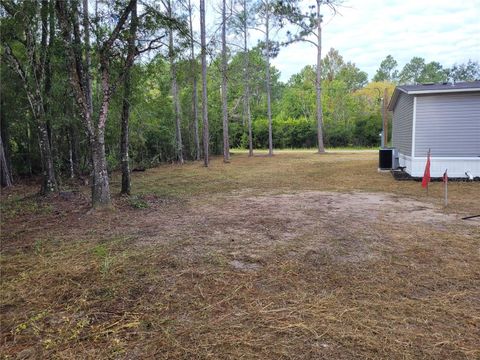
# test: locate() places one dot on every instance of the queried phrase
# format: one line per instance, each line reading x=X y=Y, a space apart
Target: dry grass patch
x=297 y=256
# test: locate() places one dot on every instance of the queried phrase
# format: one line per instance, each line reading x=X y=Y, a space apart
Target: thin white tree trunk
x=226 y=143
x=269 y=105
x=247 y=80
x=318 y=83
x=127 y=95
x=204 y=83
x=194 y=86
x=176 y=101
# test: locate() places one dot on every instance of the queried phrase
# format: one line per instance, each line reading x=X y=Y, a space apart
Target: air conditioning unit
x=388 y=159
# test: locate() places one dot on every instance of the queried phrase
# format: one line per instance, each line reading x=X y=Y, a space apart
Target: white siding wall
x=448 y=124
x=403 y=124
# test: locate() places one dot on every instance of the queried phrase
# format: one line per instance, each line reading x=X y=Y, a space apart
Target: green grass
x=301 y=150
x=18 y=205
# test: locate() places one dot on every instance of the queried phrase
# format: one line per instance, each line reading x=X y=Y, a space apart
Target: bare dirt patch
x=343 y=226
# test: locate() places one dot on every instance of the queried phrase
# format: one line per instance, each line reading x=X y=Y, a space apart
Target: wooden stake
x=429 y=167
x=385 y=118
x=445 y=185
x=446 y=194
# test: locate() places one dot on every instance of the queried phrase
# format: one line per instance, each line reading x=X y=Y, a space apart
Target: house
x=444 y=118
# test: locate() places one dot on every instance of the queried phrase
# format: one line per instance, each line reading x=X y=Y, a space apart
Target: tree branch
x=298 y=40
x=151 y=45
x=116 y=31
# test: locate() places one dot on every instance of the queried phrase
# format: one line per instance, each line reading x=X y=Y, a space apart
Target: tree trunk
x=49 y=183
x=70 y=157
x=247 y=81
x=206 y=137
x=176 y=101
x=194 y=86
x=124 y=139
x=269 y=105
x=226 y=142
x=100 y=183
x=28 y=134
x=48 y=97
x=5 y=136
x=178 y=120
x=75 y=147
x=318 y=83
x=100 y=186
x=80 y=81
x=6 y=176
x=124 y=136
x=88 y=59
x=48 y=22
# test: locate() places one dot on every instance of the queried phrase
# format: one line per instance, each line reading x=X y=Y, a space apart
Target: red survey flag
x=426 y=174
x=445 y=177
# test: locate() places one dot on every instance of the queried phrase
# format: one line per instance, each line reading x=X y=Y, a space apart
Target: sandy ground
x=247 y=227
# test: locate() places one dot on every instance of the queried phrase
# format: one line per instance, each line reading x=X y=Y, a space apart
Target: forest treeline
x=90 y=87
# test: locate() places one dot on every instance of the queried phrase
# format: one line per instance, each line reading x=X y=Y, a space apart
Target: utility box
x=387 y=159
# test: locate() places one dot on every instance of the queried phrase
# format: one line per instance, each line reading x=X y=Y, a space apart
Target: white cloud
x=368 y=30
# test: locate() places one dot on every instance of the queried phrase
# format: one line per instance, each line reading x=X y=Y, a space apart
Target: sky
x=366 y=31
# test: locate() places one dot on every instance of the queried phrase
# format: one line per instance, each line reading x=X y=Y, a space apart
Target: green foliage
x=18 y=205
x=152 y=120
x=137 y=202
x=100 y=251
x=102 y=254
x=412 y=71
x=353 y=76
x=293 y=133
x=38 y=247
x=335 y=68
x=468 y=71
x=366 y=131
x=387 y=71
x=433 y=72
x=302 y=133
x=332 y=63
x=417 y=71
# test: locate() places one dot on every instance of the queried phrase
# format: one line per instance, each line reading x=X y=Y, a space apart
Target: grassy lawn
x=298 y=256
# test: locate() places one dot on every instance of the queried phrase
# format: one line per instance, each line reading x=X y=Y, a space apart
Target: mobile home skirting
x=457 y=167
